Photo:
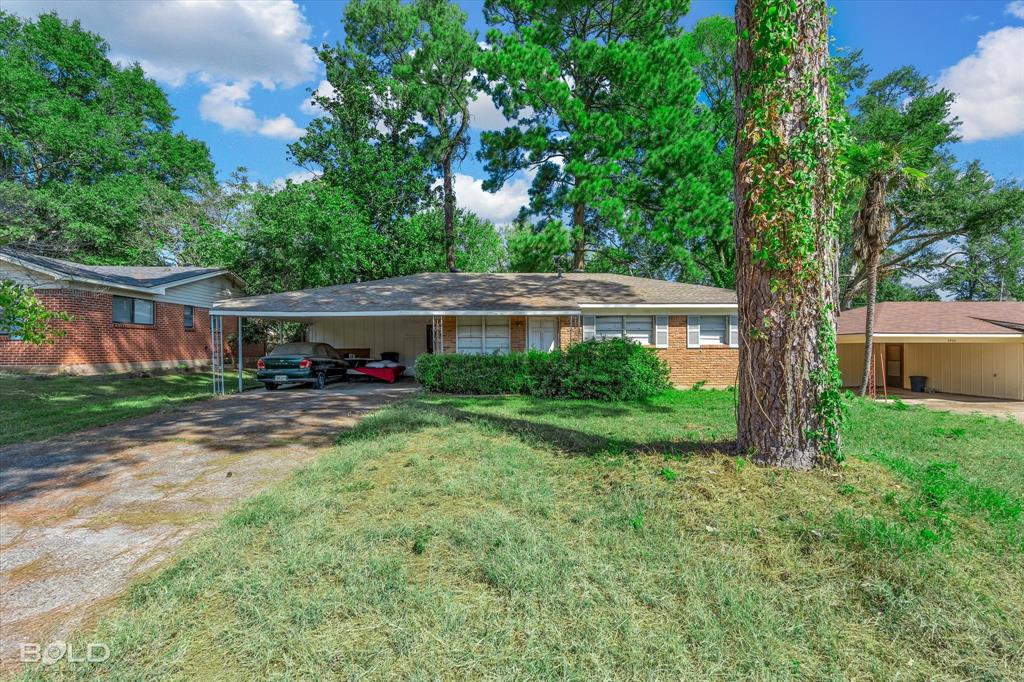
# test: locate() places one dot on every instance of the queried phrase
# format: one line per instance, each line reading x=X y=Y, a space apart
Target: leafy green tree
x=24 y=315
x=538 y=250
x=422 y=246
x=89 y=163
x=988 y=265
x=425 y=56
x=901 y=125
x=566 y=73
x=368 y=140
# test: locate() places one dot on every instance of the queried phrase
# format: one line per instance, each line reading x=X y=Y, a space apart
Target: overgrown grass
x=36 y=408
x=520 y=538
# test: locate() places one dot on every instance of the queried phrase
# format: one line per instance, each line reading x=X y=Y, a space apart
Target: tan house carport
x=965 y=348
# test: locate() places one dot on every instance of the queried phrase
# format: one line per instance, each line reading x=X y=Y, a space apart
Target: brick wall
x=92 y=338
x=517 y=334
x=717 y=365
x=570 y=331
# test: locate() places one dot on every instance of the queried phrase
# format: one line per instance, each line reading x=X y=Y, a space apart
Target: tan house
x=966 y=348
x=693 y=327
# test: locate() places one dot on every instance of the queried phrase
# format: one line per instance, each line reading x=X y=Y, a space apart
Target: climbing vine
x=793 y=168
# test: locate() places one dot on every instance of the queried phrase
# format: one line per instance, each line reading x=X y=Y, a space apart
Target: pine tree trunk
x=786 y=318
x=869 y=323
x=449 y=215
x=580 y=240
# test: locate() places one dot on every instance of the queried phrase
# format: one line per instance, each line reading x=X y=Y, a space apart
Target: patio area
x=964 y=404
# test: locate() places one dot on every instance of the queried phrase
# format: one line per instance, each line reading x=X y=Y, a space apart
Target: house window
x=714 y=330
x=188 y=314
x=638 y=328
x=132 y=310
x=479 y=334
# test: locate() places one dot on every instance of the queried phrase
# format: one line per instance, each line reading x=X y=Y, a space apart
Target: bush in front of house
x=612 y=369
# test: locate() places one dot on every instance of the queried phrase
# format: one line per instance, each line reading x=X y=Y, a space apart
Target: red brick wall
x=717 y=365
x=93 y=338
x=517 y=334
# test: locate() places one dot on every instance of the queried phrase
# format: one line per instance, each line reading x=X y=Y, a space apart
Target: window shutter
x=661 y=331
x=588 y=327
x=734 y=331
x=693 y=331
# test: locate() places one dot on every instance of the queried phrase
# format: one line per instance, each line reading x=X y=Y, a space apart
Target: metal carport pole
x=241 y=363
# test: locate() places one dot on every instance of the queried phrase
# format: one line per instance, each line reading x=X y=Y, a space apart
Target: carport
x=370 y=333
x=959 y=348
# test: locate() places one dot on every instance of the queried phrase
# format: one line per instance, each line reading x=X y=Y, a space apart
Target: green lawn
x=519 y=538
x=36 y=408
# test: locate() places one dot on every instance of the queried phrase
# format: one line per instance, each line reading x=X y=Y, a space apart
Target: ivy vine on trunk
x=790 y=129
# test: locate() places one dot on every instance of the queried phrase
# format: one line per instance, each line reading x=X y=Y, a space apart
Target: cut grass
x=35 y=408
x=520 y=538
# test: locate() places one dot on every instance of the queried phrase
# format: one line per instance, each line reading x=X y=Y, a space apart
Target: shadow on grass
x=572 y=442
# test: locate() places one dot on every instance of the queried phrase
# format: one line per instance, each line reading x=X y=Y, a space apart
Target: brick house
x=692 y=327
x=123 y=318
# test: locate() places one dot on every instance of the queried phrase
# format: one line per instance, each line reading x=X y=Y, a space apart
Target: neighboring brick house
x=692 y=327
x=122 y=318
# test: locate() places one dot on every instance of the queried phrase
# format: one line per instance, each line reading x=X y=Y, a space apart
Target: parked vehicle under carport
x=301 y=363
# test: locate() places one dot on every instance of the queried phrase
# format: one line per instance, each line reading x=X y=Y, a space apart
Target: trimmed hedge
x=613 y=369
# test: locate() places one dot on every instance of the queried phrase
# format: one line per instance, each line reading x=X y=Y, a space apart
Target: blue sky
x=238 y=71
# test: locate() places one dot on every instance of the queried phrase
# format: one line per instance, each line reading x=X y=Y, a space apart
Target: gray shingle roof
x=123 y=275
x=431 y=292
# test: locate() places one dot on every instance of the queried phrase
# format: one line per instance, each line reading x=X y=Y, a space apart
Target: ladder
x=217 y=350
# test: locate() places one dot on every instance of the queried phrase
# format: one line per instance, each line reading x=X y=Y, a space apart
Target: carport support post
x=241 y=364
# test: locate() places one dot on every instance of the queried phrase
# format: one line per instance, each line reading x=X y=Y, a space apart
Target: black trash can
x=917 y=383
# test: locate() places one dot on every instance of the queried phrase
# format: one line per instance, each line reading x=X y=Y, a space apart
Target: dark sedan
x=301 y=363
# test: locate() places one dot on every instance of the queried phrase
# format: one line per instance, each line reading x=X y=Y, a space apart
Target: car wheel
x=269 y=386
x=321 y=381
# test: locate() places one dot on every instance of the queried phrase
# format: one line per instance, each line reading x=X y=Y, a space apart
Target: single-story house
x=966 y=348
x=124 y=318
x=692 y=327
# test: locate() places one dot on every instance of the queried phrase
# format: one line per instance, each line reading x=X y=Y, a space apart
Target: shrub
x=613 y=369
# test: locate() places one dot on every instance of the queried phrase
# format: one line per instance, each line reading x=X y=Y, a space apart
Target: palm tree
x=871 y=236
x=902 y=123
x=883 y=167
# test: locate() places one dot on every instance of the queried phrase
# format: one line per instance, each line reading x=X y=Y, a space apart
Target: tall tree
x=901 y=125
x=368 y=139
x=90 y=166
x=552 y=72
x=786 y=182
x=426 y=58
x=988 y=265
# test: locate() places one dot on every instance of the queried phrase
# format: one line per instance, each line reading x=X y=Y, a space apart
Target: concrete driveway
x=964 y=404
x=81 y=516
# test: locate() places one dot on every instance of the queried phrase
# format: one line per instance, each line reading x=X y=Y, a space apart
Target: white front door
x=543 y=333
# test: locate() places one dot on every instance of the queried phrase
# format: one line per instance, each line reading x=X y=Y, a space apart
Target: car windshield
x=295 y=349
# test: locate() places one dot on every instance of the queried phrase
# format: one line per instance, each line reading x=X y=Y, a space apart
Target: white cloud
x=309 y=105
x=229 y=40
x=228 y=44
x=226 y=104
x=498 y=207
x=989 y=86
x=1016 y=8
x=298 y=177
x=281 y=128
x=484 y=115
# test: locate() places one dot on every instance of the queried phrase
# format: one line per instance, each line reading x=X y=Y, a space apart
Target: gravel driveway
x=81 y=516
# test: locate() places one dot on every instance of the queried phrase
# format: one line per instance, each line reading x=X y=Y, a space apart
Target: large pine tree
x=785 y=183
